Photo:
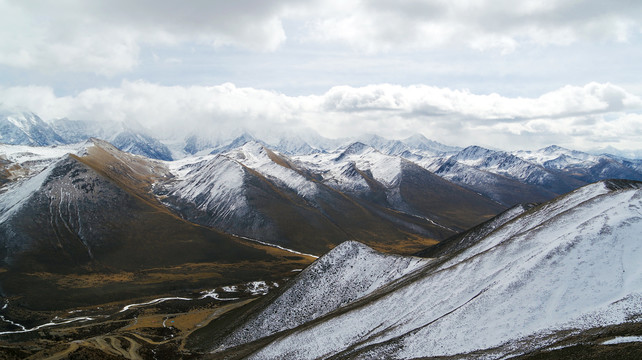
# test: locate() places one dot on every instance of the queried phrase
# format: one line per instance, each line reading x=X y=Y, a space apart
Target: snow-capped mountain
x=414 y=177
x=526 y=176
x=255 y=192
x=531 y=280
x=583 y=166
x=395 y=182
x=92 y=211
x=552 y=170
x=508 y=165
x=416 y=144
x=75 y=131
x=288 y=143
x=141 y=144
x=27 y=129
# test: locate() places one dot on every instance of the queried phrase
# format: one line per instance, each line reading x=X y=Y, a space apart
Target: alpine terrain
x=117 y=244
x=552 y=279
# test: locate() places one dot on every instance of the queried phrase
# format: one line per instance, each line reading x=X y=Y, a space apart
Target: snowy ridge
x=23 y=153
x=27 y=129
x=213 y=184
x=30 y=160
x=525 y=281
x=339 y=171
x=255 y=156
x=467 y=238
x=499 y=162
x=348 y=272
x=557 y=157
x=547 y=212
x=141 y=144
x=415 y=144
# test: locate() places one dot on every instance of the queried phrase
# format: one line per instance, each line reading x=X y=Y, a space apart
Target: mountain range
x=418 y=241
x=548 y=280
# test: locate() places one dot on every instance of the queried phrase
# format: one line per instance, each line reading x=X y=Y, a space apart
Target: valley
x=321 y=180
x=156 y=329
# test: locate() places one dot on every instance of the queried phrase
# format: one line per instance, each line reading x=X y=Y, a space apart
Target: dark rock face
x=71 y=215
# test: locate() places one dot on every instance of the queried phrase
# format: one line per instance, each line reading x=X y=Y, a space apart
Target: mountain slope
x=254 y=192
x=357 y=271
x=95 y=215
x=399 y=184
x=521 y=287
x=503 y=189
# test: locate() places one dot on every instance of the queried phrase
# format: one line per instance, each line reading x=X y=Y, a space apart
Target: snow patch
x=623 y=340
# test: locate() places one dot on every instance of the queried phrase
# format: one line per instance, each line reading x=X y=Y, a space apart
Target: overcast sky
x=497 y=73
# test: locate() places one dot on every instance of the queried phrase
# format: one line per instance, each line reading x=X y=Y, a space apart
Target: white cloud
x=583 y=117
x=433 y=101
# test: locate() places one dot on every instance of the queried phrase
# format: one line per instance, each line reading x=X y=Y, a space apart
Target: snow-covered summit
x=557 y=157
x=346 y=273
x=256 y=156
x=27 y=129
x=341 y=169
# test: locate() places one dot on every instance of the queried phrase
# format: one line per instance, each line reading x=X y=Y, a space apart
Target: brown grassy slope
x=333 y=217
x=94 y=217
x=443 y=201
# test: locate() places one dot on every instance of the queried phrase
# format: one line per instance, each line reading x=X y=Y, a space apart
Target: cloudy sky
x=498 y=73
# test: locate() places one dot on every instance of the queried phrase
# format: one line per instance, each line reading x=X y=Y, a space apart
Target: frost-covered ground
x=349 y=272
x=525 y=281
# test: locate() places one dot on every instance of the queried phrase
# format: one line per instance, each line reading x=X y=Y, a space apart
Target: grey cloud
x=105 y=37
x=383 y=25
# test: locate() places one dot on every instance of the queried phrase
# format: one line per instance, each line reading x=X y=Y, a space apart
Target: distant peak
x=417 y=138
x=551 y=148
x=475 y=150
x=242 y=151
x=347 y=248
x=356 y=148
x=352 y=149
x=254 y=145
x=100 y=143
x=243 y=139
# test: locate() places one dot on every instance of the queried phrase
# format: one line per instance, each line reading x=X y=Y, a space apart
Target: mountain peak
x=551 y=149
x=27 y=128
x=420 y=142
x=474 y=152
x=356 y=148
x=348 y=272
